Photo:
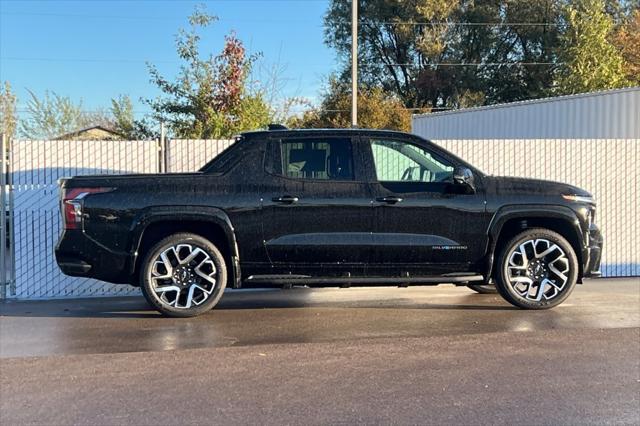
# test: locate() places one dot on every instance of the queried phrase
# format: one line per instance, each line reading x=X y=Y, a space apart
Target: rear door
x=317 y=213
x=423 y=223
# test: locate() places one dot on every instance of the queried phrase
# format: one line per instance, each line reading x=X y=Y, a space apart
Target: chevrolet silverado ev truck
x=342 y=208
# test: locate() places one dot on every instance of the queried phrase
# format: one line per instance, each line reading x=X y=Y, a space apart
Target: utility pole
x=354 y=63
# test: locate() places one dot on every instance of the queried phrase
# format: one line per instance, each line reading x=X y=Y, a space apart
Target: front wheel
x=183 y=275
x=537 y=269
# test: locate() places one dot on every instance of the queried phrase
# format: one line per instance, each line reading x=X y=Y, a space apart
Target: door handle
x=286 y=199
x=389 y=199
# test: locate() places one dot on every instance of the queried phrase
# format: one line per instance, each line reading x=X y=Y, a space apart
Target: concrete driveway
x=429 y=355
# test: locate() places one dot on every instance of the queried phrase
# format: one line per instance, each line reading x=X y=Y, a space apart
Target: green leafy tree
x=427 y=52
x=51 y=115
x=122 y=112
x=590 y=60
x=210 y=97
x=8 y=117
x=376 y=110
x=397 y=40
x=125 y=123
x=523 y=57
x=627 y=40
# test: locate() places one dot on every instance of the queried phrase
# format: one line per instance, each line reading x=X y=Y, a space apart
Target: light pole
x=354 y=63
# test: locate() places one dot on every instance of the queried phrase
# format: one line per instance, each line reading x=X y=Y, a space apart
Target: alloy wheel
x=183 y=276
x=537 y=269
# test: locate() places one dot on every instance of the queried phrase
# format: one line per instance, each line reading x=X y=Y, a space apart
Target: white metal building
x=589 y=140
x=612 y=114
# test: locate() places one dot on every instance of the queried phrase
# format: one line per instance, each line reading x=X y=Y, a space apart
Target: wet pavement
x=373 y=355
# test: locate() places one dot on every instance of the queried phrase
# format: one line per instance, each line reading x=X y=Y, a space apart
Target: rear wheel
x=537 y=269
x=183 y=275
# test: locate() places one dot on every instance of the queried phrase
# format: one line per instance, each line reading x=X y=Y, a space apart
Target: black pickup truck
x=328 y=208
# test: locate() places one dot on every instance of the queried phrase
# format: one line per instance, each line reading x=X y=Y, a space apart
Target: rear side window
x=317 y=158
x=228 y=158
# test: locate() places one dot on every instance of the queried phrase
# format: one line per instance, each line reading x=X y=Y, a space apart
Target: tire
x=537 y=269
x=483 y=288
x=194 y=281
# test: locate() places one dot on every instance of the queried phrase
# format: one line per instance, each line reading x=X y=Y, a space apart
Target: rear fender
x=211 y=215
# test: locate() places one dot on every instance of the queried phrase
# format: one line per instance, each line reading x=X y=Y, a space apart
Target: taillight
x=72 y=205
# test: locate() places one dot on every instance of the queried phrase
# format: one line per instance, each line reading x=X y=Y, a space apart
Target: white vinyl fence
x=188 y=155
x=608 y=168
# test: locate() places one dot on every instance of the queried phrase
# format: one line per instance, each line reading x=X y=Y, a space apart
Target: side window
x=403 y=162
x=317 y=158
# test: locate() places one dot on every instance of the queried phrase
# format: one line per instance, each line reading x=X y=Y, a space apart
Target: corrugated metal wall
x=612 y=114
x=591 y=141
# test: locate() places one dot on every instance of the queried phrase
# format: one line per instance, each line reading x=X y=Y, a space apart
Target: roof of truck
x=326 y=132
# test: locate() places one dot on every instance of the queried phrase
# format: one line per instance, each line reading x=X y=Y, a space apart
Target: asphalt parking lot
x=422 y=355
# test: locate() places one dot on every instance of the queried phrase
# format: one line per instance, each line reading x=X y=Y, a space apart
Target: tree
x=590 y=60
x=376 y=110
x=211 y=97
x=50 y=116
x=450 y=54
x=124 y=122
x=8 y=118
x=53 y=115
x=122 y=112
x=397 y=39
x=627 y=40
x=523 y=49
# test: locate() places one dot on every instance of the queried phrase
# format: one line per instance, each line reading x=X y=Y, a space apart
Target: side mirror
x=464 y=176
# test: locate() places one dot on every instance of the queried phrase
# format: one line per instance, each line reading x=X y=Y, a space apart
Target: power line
x=19 y=58
x=298 y=21
x=361 y=21
x=297 y=110
x=294 y=21
x=465 y=64
x=105 y=111
x=444 y=64
x=473 y=24
x=147 y=18
x=349 y=110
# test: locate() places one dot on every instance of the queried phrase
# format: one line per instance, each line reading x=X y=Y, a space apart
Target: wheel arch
x=211 y=223
x=511 y=220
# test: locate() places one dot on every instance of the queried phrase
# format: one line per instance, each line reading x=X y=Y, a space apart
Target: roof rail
x=277 y=127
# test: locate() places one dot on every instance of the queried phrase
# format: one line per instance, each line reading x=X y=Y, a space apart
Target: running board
x=304 y=280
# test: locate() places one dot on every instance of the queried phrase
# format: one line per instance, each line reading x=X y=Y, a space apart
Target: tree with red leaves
x=211 y=97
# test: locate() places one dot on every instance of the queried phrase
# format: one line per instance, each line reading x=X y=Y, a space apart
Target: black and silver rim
x=537 y=270
x=183 y=276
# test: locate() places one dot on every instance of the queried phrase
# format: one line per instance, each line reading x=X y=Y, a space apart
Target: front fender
x=531 y=211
